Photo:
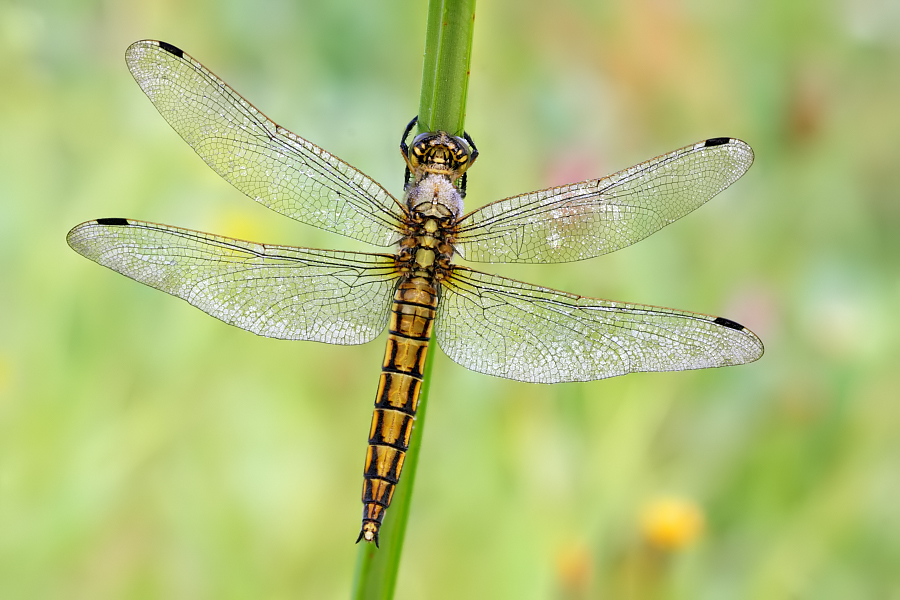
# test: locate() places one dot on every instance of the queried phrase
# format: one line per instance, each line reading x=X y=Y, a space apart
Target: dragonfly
x=484 y=322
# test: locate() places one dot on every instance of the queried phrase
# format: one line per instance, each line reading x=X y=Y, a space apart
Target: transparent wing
x=274 y=291
x=260 y=158
x=587 y=219
x=511 y=329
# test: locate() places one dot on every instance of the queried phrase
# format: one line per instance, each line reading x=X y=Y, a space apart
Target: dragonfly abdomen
x=409 y=332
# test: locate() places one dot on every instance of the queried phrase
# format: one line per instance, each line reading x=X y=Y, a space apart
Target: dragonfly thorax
x=434 y=196
x=435 y=205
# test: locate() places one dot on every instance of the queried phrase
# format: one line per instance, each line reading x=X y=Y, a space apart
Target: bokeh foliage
x=148 y=451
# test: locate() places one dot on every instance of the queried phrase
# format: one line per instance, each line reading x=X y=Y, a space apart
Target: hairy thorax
x=434 y=206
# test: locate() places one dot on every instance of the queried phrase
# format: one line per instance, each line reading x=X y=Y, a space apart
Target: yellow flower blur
x=671 y=523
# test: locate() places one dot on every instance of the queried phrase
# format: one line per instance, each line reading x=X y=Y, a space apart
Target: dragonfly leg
x=471 y=143
x=472 y=157
x=404 y=149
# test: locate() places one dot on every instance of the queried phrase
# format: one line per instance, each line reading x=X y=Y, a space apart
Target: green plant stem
x=445 y=75
x=442 y=106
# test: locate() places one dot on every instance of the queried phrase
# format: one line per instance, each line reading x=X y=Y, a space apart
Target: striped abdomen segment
x=409 y=332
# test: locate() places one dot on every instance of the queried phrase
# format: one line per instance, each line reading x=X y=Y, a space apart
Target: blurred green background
x=150 y=451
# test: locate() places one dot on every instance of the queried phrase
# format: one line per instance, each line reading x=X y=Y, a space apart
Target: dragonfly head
x=439 y=153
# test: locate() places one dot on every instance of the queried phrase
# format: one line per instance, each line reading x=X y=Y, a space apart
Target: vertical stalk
x=442 y=106
x=445 y=75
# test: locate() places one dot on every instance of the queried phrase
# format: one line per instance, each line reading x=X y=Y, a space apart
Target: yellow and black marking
x=438 y=153
x=409 y=332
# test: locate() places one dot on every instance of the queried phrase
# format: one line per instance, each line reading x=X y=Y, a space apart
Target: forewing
x=260 y=158
x=587 y=219
x=511 y=329
x=274 y=291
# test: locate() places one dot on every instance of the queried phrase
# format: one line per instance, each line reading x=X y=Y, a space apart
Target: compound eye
x=419 y=148
x=422 y=143
x=460 y=150
x=421 y=138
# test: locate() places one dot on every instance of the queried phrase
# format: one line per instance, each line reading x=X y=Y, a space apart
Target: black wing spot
x=112 y=221
x=716 y=142
x=171 y=49
x=728 y=323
